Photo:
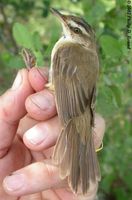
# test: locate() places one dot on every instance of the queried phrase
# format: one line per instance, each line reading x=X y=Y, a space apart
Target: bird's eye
x=77 y=30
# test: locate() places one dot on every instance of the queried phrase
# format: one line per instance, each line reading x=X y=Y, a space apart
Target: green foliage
x=22 y=36
x=112 y=47
x=29 y=24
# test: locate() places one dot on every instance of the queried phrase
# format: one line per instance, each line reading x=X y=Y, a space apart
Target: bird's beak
x=61 y=17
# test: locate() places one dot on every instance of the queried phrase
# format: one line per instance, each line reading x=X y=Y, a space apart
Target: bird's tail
x=75 y=155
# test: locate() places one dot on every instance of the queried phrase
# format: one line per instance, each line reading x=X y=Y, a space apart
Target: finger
x=17 y=157
x=12 y=108
x=33 y=178
x=39 y=177
x=45 y=134
x=25 y=123
x=38 y=77
x=41 y=105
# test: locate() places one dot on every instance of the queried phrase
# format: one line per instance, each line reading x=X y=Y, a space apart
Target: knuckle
x=7 y=106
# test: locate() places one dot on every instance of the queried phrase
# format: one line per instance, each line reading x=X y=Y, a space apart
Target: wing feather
x=74 y=151
x=73 y=93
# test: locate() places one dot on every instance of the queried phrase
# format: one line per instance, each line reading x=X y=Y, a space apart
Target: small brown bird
x=73 y=76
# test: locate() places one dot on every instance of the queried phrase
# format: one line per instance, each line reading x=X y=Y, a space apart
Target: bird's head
x=76 y=29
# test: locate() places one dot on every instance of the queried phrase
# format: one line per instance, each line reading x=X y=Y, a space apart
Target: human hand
x=29 y=130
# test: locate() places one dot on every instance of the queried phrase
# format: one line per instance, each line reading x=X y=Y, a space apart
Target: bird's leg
x=50 y=86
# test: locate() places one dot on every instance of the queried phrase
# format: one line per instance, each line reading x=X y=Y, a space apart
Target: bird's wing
x=74 y=79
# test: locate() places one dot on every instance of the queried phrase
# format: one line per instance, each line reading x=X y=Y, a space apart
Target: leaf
x=99 y=11
x=111 y=47
x=128 y=179
x=16 y=62
x=22 y=36
x=109 y=5
x=120 y=3
x=105 y=103
x=117 y=94
x=107 y=182
x=120 y=193
x=39 y=57
x=37 y=41
x=54 y=37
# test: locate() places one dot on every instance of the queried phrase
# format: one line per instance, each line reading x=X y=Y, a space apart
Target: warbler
x=73 y=76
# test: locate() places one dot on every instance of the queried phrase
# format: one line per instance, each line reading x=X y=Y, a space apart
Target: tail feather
x=61 y=148
x=66 y=163
x=77 y=158
x=84 y=174
x=74 y=175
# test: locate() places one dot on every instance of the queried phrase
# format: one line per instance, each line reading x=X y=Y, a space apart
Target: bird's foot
x=50 y=87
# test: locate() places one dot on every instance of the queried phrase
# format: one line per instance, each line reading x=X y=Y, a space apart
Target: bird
x=73 y=78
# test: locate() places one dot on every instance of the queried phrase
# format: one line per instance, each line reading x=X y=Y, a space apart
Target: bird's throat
x=61 y=42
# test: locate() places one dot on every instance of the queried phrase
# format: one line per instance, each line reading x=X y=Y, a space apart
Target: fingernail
x=35 y=135
x=14 y=182
x=17 y=81
x=42 y=101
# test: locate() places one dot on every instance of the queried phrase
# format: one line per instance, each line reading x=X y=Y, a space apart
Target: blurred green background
x=28 y=23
